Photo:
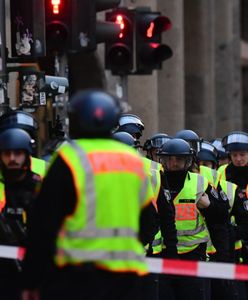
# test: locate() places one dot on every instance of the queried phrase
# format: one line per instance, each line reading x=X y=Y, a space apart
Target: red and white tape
x=167 y=266
x=198 y=268
x=12 y=252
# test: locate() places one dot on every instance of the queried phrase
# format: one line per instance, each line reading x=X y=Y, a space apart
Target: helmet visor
x=235 y=138
x=158 y=141
x=210 y=148
x=130 y=120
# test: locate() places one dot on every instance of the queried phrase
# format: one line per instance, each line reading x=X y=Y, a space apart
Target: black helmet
x=16 y=138
x=191 y=137
x=131 y=124
x=19 y=119
x=175 y=147
x=221 y=150
x=125 y=138
x=208 y=152
x=156 y=141
x=235 y=141
x=93 y=113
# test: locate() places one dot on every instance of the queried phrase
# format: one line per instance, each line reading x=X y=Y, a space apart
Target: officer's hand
x=30 y=295
x=203 y=202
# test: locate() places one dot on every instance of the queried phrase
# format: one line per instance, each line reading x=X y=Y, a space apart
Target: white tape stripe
x=9 y=252
x=155 y=265
x=216 y=270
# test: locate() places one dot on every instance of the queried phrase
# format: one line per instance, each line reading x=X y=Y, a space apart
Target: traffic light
x=119 y=51
x=58 y=24
x=149 y=51
x=72 y=26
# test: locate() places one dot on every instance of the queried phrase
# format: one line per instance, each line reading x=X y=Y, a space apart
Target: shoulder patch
x=214 y=193
x=167 y=195
x=223 y=195
x=245 y=203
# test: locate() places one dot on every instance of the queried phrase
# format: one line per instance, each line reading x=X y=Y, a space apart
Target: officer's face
x=206 y=163
x=13 y=159
x=223 y=161
x=153 y=155
x=239 y=158
x=174 y=163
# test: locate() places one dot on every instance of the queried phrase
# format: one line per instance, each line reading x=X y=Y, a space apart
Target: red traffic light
x=119 y=51
x=56 y=6
x=157 y=26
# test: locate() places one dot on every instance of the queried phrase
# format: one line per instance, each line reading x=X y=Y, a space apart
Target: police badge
x=167 y=195
x=223 y=195
x=245 y=203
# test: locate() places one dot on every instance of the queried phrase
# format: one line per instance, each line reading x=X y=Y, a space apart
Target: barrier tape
x=198 y=268
x=167 y=266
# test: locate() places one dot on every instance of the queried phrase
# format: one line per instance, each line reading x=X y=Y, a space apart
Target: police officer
x=26 y=121
x=92 y=196
x=17 y=190
x=223 y=157
x=152 y=145
x=218 y=231
x=154 y=247
x=195 y=200
x=236 y=145
x=131 y=124
x=236 y=224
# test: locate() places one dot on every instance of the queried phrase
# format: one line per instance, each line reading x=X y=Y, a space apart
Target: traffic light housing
x=72 y=25
x=119 y=52
x=149 y=52
x=27 y=20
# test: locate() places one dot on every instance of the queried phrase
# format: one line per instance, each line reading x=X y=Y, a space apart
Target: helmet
x=125 y=138
x=19 y=119
x=131 y=124
x=93 y=113
x=175 y=147
x=208 y=152
x=16 y=138
x=235 y=141
x=191 y=137
x=221 y=150
x=156 y=141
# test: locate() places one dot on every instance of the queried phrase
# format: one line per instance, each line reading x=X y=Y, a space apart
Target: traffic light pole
x=123 y=95
x=3 y=73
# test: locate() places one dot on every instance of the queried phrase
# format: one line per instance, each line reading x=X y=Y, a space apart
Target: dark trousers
x=94 y=284
x=150 y=287
x=183 y=287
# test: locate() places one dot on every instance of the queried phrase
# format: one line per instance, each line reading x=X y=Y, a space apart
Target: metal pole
x=3 y=74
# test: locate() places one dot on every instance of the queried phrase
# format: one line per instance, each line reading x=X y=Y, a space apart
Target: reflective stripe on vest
x=153 y=169
x=2 y=196
x=38 y=166
x=229 y=189
x=222 y=171
x=130 y=259
x=212 y=175
x=190 y=224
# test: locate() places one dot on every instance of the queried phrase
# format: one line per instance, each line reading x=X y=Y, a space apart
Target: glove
x=169 y=253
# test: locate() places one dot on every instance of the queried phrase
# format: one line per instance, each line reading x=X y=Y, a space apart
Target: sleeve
x=148 y=224
x=166 y=213
x=50 y=208
x=147 y=189
x=217 y=220
x=240 y=212
x=217 y=211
